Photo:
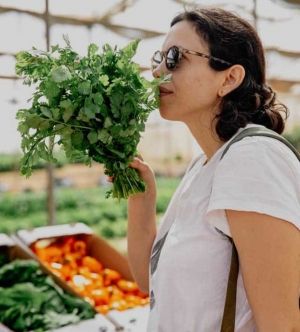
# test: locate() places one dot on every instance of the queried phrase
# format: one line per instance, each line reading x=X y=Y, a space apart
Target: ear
x=233 y=78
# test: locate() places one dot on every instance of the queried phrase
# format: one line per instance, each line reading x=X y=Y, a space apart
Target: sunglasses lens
x=156 y=59
x=172 y=58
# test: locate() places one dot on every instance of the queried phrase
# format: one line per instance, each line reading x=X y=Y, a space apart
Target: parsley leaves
x=94 y=107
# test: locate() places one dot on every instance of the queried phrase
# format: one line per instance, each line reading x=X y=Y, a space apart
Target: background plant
x=107 y=218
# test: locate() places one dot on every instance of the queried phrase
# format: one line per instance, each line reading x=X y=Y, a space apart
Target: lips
x=164 y=91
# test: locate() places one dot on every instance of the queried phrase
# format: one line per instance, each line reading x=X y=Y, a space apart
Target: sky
x=278 y=26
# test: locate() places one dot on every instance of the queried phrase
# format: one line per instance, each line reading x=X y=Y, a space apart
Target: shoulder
x=263 y=152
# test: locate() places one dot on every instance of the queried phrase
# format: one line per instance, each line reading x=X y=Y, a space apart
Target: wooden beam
x=285 y=53
x=122 y=30
x=7 y=77
x=293 y=2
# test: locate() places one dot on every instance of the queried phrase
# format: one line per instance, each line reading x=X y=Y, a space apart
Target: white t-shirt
x=189 y=282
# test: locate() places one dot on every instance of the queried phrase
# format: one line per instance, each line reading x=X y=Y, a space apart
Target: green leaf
x=44 y=125
x=25 y=144
x=46 y=111
x=104 y=79
x=55 y=113
x=77 y=139
x=66 y=103
x=93 y=136
x=103 y=136
x=33 y=121
x=130 y=50
x=126 y=133
x=67 y=114
x=97 y=97
x=127 y=110
x=51 y=90
x=118 y=153
x=67 y=40
x=23 y=128
x=60 y=74
x=84 y=88
x=92 y=49
x=54 y=48
x=107 y=123
x=89 y=112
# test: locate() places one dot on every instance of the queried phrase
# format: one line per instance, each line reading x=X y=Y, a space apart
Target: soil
x=75 y=175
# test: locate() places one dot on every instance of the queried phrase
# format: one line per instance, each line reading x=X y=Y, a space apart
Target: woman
x=218 y=88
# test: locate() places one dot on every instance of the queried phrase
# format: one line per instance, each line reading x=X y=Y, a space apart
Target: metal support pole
x=255 y=13
x=49 y=167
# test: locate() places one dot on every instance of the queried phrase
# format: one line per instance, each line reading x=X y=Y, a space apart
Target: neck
x=206 y=137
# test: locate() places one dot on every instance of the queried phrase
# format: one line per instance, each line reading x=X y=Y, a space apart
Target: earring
x=221 y=93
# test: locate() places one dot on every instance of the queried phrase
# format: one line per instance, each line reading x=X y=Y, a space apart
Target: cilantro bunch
x=94 y=107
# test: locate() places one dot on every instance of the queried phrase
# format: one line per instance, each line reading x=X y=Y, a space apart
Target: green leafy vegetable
x=94 y=107
x=31 y=301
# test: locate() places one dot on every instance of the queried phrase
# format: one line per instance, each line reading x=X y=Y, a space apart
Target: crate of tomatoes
x=86 y=265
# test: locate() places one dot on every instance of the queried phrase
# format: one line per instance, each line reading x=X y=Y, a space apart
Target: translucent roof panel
x=283 y=68
x=7 y=65
x=154 y=15
x=32 y=5
x=283 y=34
x=20 y=31
x=81 y=8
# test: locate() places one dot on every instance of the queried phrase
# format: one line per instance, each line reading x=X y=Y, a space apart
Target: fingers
x=140 y=157
x=138 y=163
x=110 y=179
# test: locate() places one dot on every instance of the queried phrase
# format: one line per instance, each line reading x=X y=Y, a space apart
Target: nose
x=161 y=68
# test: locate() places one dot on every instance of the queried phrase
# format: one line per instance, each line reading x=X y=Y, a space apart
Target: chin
x=169 y=116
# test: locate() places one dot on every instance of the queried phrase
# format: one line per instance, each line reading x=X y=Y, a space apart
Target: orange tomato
x=118 y=305
x=80 y=248
x=67 y=245
x=100 y=296
x=92 y=263
x=133 y=300
x=145 y=301
x=97 y=280
x=110 y=276
x=103 y=309
x=52 y=254
x=70 y=260
x=127 y=286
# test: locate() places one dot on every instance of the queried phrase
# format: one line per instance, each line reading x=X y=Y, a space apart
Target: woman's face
x=193 y=90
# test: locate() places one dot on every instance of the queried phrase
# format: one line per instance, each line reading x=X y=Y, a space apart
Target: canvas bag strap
x=228 y=321
x=260 y=131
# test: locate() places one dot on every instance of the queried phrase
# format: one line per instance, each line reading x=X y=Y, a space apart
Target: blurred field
x=78 y=176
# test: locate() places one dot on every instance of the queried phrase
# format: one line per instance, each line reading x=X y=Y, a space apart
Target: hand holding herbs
x=94 y=107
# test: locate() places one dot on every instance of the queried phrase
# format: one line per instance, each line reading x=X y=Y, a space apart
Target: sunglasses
x=174 y=55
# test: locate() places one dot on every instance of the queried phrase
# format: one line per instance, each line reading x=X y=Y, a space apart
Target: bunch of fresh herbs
x=94 y=107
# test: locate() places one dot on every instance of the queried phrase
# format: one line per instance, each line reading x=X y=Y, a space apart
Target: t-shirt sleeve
x=257 y=174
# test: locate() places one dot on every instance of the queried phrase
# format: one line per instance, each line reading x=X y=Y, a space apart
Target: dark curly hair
x=235 y=40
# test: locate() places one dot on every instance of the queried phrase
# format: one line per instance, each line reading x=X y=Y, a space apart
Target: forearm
x=140 y=235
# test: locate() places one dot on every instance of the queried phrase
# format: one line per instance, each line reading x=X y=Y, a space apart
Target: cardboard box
x=97 y=247
x=14 y=248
